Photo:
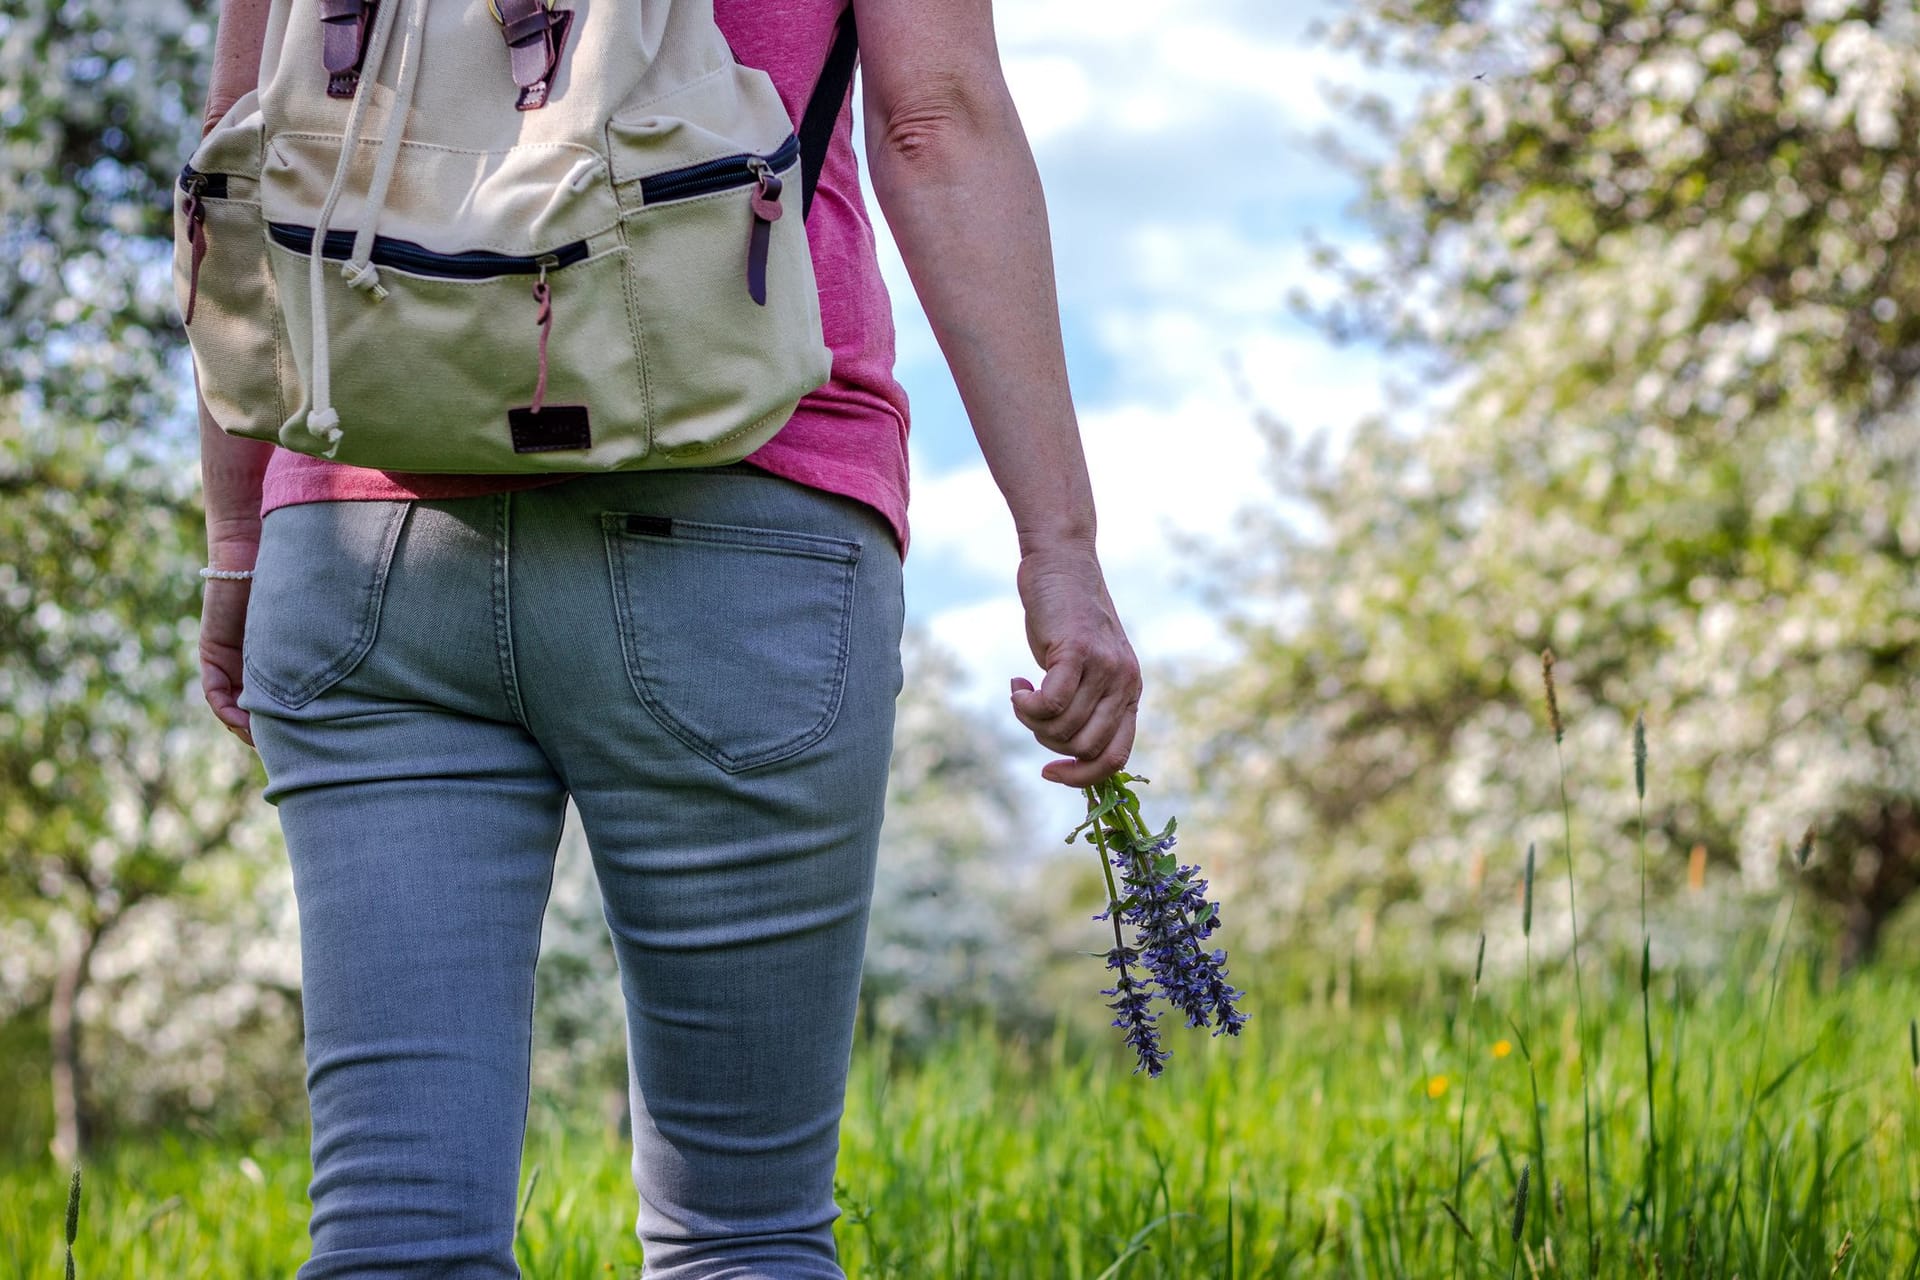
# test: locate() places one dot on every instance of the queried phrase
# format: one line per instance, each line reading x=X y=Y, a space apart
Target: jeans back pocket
x=735 y=638
x=317 y=587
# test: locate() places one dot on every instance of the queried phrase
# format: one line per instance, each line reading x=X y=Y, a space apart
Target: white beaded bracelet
x=235 y=574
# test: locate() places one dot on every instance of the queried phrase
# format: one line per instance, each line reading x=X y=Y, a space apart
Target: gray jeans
x=707 y=663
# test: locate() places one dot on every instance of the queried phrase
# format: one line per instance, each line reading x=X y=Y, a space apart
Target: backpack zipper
x=723 y=174
x=404 y=255
x=213 y=186
x=199 y=188
x=747 y=169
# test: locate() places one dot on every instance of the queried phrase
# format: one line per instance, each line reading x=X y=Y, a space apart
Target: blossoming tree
x=1658 y=266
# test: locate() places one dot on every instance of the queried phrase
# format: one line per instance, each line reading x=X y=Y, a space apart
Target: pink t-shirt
x=850 y=436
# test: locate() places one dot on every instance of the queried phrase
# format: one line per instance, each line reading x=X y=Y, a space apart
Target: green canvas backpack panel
x=483 y=236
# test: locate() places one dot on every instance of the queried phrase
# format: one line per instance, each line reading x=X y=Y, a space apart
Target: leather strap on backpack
x=823 y=108
x=343 y=42
x=535 y=35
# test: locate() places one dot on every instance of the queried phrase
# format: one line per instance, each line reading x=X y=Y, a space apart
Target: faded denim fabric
x=707 y=662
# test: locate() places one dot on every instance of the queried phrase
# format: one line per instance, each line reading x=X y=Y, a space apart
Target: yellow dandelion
x=1436 y=1086
x=1501 y=1048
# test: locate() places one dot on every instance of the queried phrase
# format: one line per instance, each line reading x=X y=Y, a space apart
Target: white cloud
x=1053 y=93
x=1180 y=633
x=960 y=514
x=990 y=638
x=1155 y=65
x=1161 y=470
x=1241 y=41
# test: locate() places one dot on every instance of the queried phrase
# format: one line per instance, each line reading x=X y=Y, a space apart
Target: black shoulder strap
x=823 y=108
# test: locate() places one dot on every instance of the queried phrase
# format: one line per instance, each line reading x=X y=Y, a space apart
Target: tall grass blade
x=73 y=1216
x=533 y=1180
x=1460 y=1129
x=1579 y=992
x=1650 y=1217
x=1519 y=1226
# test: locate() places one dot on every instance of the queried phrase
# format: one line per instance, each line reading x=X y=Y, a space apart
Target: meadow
x=1755 y=1116
x=1385 y=1137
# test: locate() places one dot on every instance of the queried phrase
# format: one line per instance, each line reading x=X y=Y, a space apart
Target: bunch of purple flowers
x=1165 y=904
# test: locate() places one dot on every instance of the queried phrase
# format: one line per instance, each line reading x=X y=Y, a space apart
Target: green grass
x=1313 y=1146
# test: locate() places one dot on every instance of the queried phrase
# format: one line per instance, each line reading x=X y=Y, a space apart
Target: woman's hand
x=223 y=621
x=1089 y=695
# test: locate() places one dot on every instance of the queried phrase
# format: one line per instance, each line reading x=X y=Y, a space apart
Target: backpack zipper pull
x=543 y=296
x=766 y=212
x=196 y=215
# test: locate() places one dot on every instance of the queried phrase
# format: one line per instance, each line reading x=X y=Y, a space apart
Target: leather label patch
x=651 y=526
x=556 y=426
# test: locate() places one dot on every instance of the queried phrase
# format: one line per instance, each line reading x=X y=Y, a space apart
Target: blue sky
x=1174 y=142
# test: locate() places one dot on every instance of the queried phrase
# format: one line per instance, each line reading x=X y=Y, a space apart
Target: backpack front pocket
x=228 y=300
x=726 y=298
x=474 y=362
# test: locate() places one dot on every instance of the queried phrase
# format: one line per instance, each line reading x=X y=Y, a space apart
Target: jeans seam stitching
x=503 y=607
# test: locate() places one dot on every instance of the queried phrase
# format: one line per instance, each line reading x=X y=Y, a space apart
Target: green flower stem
x=1106 y=867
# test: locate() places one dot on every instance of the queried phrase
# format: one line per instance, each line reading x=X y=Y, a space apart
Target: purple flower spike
x=1129 y=1003
x=1165 y=902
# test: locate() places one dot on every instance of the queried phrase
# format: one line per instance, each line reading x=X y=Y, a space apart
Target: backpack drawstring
x=323 y=420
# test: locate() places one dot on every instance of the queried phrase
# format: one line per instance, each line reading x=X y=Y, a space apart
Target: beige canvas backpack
x=501 y=236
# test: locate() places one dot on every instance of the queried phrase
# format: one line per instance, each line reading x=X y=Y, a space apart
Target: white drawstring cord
x=358 y=269
x=323 y=421
x=581 y=176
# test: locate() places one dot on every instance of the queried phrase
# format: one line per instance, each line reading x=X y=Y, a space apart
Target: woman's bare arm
x=231 y=467
x=957 y=183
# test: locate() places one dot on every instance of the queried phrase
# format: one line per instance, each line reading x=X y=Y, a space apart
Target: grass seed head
x=1804 y=850
x=1640 y=754
x=1553 y=696
x=1458 y=1221
x=73 y=1206
x=1526 y=900
x=1913 y=1042
x=1480 y=958
x=1520 y=1201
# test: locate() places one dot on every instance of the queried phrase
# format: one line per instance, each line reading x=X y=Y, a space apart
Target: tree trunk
x=1860 y=939
x=70 y=1119
x=1882 y=877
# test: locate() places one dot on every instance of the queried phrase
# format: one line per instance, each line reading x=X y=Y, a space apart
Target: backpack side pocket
x=724 y=367
x=229 y=302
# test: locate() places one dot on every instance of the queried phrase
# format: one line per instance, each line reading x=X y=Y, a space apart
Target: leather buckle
x=535 y=33
x=343 y=42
